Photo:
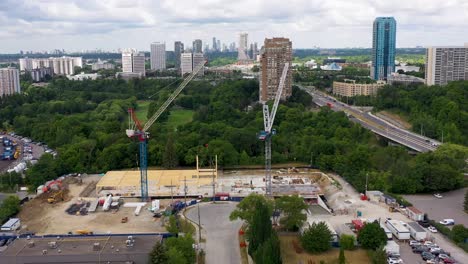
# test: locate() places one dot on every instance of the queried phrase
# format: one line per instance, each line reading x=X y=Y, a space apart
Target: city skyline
x=84 y=25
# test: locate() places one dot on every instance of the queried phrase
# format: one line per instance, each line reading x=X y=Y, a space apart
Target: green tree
x=317 y=238
x=269 y=251
x=372 y=236
x=260 y=229
x=293 y=208
x=9 y=207
x=170 y=159
x=172 y=227
x=175 y=256
x=347 y=242
x=246 y=209
x=378 y=256
x=183 y=245
x=341 y=258
x=159 y=254
x=466 y=202
x=459 y=233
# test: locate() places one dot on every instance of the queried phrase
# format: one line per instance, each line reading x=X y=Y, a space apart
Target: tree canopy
x=317 y=238
x=372 y=236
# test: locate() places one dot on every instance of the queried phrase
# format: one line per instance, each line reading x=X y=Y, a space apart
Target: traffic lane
x=222 y=243
x=450 y=206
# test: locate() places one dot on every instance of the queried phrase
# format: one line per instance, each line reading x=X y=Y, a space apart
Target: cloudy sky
x=76 y=25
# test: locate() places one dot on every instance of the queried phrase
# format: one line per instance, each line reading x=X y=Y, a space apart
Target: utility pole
x=213 y=179
x=367 y=176
x=185 y=190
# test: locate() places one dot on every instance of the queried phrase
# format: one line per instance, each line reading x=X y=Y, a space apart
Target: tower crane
x=139 y=131
x=265 y=135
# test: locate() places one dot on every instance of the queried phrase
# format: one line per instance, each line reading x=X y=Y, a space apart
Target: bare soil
x=41 y=217
x=395 y=119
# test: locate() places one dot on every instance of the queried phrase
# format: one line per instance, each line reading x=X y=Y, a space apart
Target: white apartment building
x=189 y=61
x=445 y=64
x=9 y=81
x=102 y=65
x=133 y=61
x=242 y=50
x=186 y=63
x=60 y=65
x=158 y=56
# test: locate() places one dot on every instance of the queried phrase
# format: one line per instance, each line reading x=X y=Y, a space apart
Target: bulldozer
x=58 y=196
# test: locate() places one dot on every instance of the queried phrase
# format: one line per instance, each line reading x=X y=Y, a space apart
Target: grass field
x=142 y=110
x=179 y=117
x=289 y=254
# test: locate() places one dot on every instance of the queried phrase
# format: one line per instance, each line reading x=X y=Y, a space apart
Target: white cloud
x=109 y=24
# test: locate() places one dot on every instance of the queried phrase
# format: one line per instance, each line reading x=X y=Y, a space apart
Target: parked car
x=432 y=229
x=420 y=249
x=393 y=260
x=443 y=256
x=2 y=242
x=427 y=256
x=447 y=222
x=449 y=261
x=438 y=195
x=414 y=243
x=427 y=243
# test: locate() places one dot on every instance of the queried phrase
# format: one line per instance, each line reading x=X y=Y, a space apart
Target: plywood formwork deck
x=127 y=183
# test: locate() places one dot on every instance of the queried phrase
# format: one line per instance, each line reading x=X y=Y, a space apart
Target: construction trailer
x=387 y=231
x=414 y=214
x=11 y=225
x=417 y=231
x=399 y=229
x=392 y=247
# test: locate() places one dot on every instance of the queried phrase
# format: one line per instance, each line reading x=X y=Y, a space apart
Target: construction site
x=87 y=205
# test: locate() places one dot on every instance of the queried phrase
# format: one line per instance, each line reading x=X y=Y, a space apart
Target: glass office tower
x=383 y=48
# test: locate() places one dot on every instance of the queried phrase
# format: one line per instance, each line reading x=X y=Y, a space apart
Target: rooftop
x=416 y=227
x=414 y=210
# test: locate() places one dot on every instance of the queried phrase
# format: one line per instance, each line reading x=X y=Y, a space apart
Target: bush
x=347 y=242
x=372 y=236
x=316 y=238
x=9 y=207
x=441 y=228
x=459 y=234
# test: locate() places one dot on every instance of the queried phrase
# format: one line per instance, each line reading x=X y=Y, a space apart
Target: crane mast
x=268 y=132
x=140 y=132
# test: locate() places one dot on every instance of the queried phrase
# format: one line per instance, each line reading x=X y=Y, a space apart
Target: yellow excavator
x=55 y=197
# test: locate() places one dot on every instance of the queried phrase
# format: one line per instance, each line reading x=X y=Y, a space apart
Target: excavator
x=55 y=197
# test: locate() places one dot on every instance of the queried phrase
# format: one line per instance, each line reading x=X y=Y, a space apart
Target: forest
x=86 y=121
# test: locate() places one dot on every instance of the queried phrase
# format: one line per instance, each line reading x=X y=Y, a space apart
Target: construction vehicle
x=141 y=132
x=58 y=196
x=124 y=220
x=83 y=232
x=268 y=132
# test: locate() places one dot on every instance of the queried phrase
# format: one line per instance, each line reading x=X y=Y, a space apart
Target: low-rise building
x=83 y=76
x=81 y=249
x=350 y=88
x=404 y=79
x=414 y=214
x=99 y=65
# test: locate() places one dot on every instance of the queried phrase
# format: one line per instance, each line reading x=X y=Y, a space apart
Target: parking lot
x=450 y=206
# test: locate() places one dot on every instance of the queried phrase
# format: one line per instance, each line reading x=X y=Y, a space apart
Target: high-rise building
x=158 y=56
x=133 y=62
x=383 y=48
x=178 y=50
x=26 y=64
x=60 y=65
x=186 y=63
x=9 y=81
x=276 y=52
x=197 y=46
x=215 y=48
x=189 y=61
x=445 y=64
x=218 y=45
x=243 y=48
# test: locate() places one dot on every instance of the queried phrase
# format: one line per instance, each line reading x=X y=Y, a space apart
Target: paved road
x=222 y=243
x=376 y=124
x=451 y=206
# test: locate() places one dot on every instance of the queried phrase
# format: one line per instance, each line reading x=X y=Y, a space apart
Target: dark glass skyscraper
x=383 y=48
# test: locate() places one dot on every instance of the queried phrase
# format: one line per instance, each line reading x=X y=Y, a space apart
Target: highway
x=375 y=124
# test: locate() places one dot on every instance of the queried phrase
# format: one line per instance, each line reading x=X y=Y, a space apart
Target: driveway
x=222 y=243
x=450 y=206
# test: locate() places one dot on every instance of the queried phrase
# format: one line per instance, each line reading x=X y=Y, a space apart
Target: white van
x=447 y=222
